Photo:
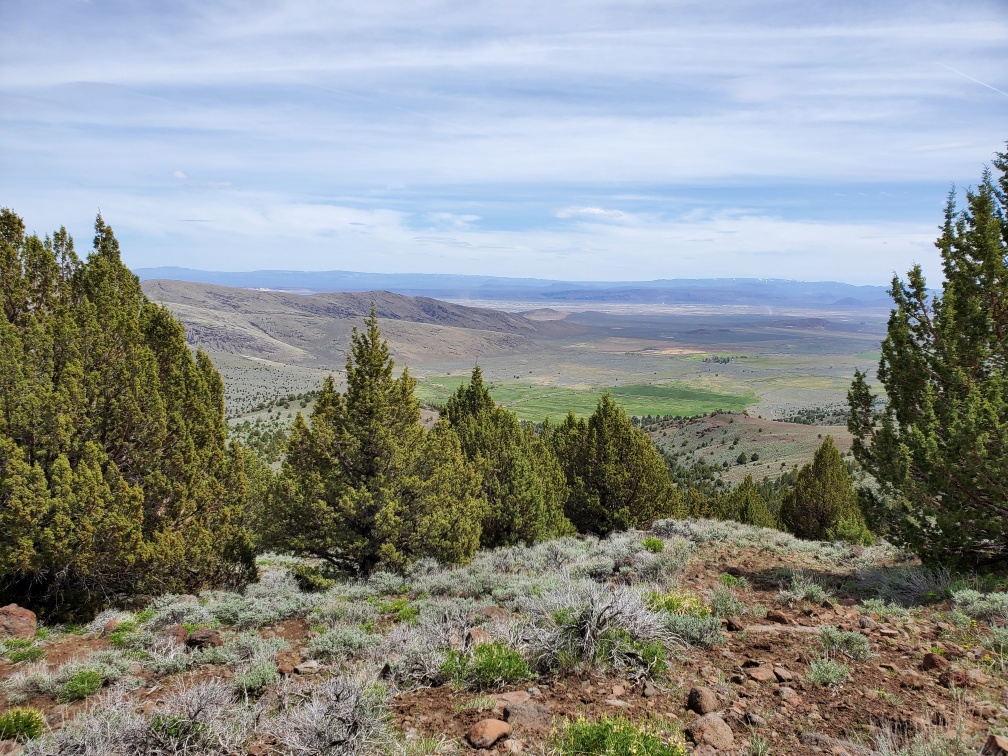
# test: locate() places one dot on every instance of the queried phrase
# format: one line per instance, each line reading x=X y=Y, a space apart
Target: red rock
x=777 y=617
x=711 y=730
x=477 y=637
x=763 y=673
x=514 y=697
x=17 y=622
x=935 y=662
x=996 y=745
x=702 y=700
x=204 y=637
x=484 y=734
x=955 y=678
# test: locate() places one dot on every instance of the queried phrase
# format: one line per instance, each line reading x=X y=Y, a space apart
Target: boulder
x=996 y=745
x=529 y=718
x=711 y=730
x=702 y=700
x=204 y=637
x=935 y=662
x=487 y=732
x=17 y=622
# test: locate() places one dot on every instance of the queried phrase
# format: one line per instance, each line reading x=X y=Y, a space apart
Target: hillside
x=313 y=330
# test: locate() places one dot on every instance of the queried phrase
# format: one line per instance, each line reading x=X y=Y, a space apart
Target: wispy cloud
x=567 y=139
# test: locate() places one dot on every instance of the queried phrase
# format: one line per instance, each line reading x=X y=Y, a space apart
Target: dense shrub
x=115 y=478
x=365 y=485
x=617 y=736
x=21 y=723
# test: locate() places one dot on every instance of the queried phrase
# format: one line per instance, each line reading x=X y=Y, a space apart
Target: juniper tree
x=363 y=485
x=617 y=477
x=522 y=481
x=823 y=503
x=114 y=475
x=938 y=449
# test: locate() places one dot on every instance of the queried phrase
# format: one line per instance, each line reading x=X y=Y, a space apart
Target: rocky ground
x=769 y=645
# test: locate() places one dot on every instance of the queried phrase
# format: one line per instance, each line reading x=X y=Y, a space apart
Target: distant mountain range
x=711 y=291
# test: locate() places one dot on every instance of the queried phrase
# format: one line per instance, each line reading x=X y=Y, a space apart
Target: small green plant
x=401 y=609
x=21 y=723
x=703 y=631
x=654 y=545
x=490 y=665
x=145 y=616
x=803 y=588
x=17 y=643
x=311 y=579
x=683 y=601
x=731 y=581
x=81 y=684
x=758 y=746
x=617 y=736
x=826 y=672
x=882 y=609
x=253 y=682
x=28 y=654
x=724 y=602
x=852 y=645
x=42 y=632
x=480 y=703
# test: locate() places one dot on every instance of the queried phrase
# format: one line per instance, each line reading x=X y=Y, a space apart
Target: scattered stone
x=911 y=680
x=309 y=667
x=649 y=691
x=702 y=700
x=17 y=622
x=834 y=745
x=734 y=625
x=933 y=661
x=985 y=710
x=617 y=702
x=477 y=636
x=10 y=748
x=204 y=637
x=783 y=674
x=978 y=677
x=187 y=598
x=996 y=745
x=763 y=673
x=711 y=730
x=737 y=679
x=110 y=627
x=888 y=632
x=618 y=690
x=867 y=623
x=777 y=617
x=285 y=668
x=954 y=678
x=487 y=732
x=529 y=718
x=514 y=697
x=754 y=720
x=258 y=749
x=511 y=745
x=789 y=694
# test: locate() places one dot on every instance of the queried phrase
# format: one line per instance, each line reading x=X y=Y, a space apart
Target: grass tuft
x=21 y=723
x=617 y=736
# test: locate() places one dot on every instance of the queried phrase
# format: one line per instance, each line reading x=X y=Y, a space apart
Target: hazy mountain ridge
x=714 y=291
x=293 y=328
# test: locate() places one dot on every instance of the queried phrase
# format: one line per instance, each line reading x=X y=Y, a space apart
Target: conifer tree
x=617 y=477
x=939 y=447
x=523 y=483
x=823 y=504
x=364 y=485
x=114 y=475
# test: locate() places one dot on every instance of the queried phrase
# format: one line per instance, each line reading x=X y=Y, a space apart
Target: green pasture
x=534 y=402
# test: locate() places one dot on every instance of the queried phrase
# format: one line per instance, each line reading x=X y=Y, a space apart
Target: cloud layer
x=590 y=140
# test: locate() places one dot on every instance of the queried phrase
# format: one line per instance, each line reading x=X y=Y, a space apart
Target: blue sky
x=578 y=140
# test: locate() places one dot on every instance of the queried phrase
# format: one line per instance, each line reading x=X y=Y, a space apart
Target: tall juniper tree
x=939 y=447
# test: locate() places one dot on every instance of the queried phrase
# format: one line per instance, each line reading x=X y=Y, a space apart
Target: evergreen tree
x=114 y=474
x=939 y=448
x=364 y=485
x=617 y=478
x=823 y=504
x=523 y=483
x=745 y=503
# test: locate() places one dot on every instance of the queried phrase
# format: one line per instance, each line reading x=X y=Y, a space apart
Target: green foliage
x=523 y=483
x=490 y=665
x=826 y=672
x=22 y=723
x=311 y=579
x=823 y=503
x=724 y=602
x=653 y=545
x=365 y=486
x=115 y=478
x=617 y=736
x=81 y=684
x=851 y=644
x=27 y=654
x=617 y=478
x=682 y=601
x=253 y=682
x=939 y=447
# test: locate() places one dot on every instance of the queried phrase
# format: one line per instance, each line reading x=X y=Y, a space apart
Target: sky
x=587 y=140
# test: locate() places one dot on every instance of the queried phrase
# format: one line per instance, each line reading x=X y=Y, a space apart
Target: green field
x=534 y=402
